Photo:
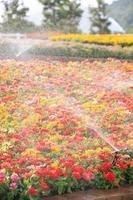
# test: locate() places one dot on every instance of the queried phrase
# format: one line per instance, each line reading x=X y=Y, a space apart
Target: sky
x=35 y=12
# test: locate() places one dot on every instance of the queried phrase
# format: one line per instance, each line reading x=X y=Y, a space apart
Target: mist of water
x=23 y=48
x=71 y=103
x=18 y=44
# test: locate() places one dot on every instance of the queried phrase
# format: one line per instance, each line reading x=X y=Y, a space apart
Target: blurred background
x=82 y=16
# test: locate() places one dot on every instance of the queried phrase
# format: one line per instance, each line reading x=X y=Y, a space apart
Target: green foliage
x=76 y=51
x=81 y=52
x=14 y=18
x=61 y=15
x=130 y=30
x=99 y=19
x=122 y=12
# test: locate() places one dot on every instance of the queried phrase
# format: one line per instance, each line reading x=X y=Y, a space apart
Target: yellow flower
x=98 y=150
x=94 y=107
x=98 y=39
x=89 y=152
x=55 y=149
x=55 y=137
x=51 y=125
x=107 y=149
x=121 y=111
x=129 y=68
x=5 y=146
x=55 y=164
x=130 y=143
x=3 y=113
x=87 y=106
x=60 y=126
x=32 y=152
x=75 y=156
x=43 y=101
x=31 y=120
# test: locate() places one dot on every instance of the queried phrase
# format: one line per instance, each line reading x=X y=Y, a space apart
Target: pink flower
x=88 y=176
x=15 y=178
x=2 y=175
x=13 y=186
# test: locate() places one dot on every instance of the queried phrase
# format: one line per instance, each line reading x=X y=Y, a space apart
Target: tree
x=14 y=18
x=62 y=15
x=130 y=30
x=99 y=20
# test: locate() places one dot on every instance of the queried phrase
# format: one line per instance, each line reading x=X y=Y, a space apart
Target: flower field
x=64 y=126
x=123 y=40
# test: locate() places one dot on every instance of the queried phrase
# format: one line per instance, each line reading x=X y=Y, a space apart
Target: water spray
x=99 y=133
x=23 y=48
x=71 y=103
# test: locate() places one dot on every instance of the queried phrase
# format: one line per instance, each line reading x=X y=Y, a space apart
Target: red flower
x=65 y=173
x=121 y=165
x=68 y=163
x=18 y=170
x=42 y=172
x=6 y=165
x=116 y=128
x=44 y=186
x=110 y=176
x=53 y=175
x=2 y=181
x=59 y=171
x=106 y=166
x=44 y=131
x=33 y=191
x=78 y=168
x=76 y=175
x=130 y=163
x=102 y=157
x=2 y=178
x=85 y=157
x=27 y=175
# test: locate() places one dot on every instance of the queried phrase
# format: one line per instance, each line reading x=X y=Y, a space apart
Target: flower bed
x=8 y=49
x=81 y=52
x=123 y=40
x=42 y=35
x=60 y=125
